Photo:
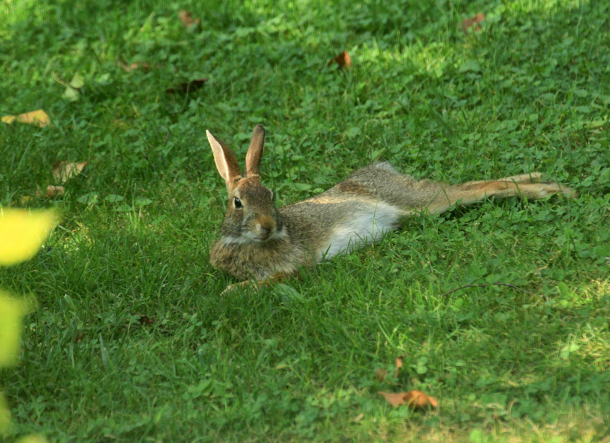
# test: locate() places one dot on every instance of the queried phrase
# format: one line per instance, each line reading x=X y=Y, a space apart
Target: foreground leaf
x=38 y=118
x=34 y=438
x=5 y=415
x=12 y=311
x=22 y=233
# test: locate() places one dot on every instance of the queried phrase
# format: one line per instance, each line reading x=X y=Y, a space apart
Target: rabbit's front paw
x=235 y=286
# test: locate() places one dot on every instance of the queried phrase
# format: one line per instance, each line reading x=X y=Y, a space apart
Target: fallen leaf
x=77 y=81
x=343 y=60
x=187 y=19
x=417 y=399
x=187 y=87
x=38 y=118
x=394 y=399
x=55 y=191
x=71 y=94
x=73 y=87
x=63 y=171
x=414 y=399
x=133 y=66
x=474 y=21
x=145 y=320
x=398 y=364
x=381 y=374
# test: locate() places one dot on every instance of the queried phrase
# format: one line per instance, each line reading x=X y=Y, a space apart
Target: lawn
x=132 y=342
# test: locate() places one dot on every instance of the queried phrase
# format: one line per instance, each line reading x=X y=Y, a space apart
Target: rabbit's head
x=251 y=216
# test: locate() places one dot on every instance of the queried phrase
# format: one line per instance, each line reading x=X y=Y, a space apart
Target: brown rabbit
x=263 y=243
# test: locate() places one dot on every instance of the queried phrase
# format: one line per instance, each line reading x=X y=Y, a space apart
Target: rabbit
x=261 y=242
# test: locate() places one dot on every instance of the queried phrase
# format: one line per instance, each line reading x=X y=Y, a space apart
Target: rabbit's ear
x=255 y=151
x=226 y=162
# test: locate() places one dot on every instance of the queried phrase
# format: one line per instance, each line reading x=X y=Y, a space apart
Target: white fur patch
x=368 y=226
x=247 y=238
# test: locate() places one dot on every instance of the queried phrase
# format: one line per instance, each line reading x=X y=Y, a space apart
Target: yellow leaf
x=12 y=311
x=38 y=118
x=22 y=233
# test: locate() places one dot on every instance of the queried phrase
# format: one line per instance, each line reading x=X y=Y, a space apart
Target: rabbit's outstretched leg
x=473 y=192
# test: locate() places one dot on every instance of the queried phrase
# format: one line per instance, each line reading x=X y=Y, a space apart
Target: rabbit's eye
x=238 y=204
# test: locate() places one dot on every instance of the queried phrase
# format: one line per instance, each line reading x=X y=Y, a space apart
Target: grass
x=132 y=342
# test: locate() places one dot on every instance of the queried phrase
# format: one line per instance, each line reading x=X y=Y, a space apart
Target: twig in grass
x=490 y=284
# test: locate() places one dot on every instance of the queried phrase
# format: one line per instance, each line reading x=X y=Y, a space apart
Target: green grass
x=297 y=362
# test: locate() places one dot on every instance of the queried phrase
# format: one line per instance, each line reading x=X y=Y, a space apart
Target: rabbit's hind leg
x=533 y=177
x=473 y=192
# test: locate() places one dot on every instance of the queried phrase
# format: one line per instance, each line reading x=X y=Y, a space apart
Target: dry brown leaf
x=187 y=19
x=63 y=171
x=145 y=320
x=414 y=399
x=38 y=118
x=474 y=21
x=135 y=65
x=418 y=399
x=394 y=399
x=343 y=60
x=187 y=87
x=398 y=364
x=55 y=191
x=381 y=374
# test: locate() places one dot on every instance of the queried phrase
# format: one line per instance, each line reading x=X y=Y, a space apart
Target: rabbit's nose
x=266 y=226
